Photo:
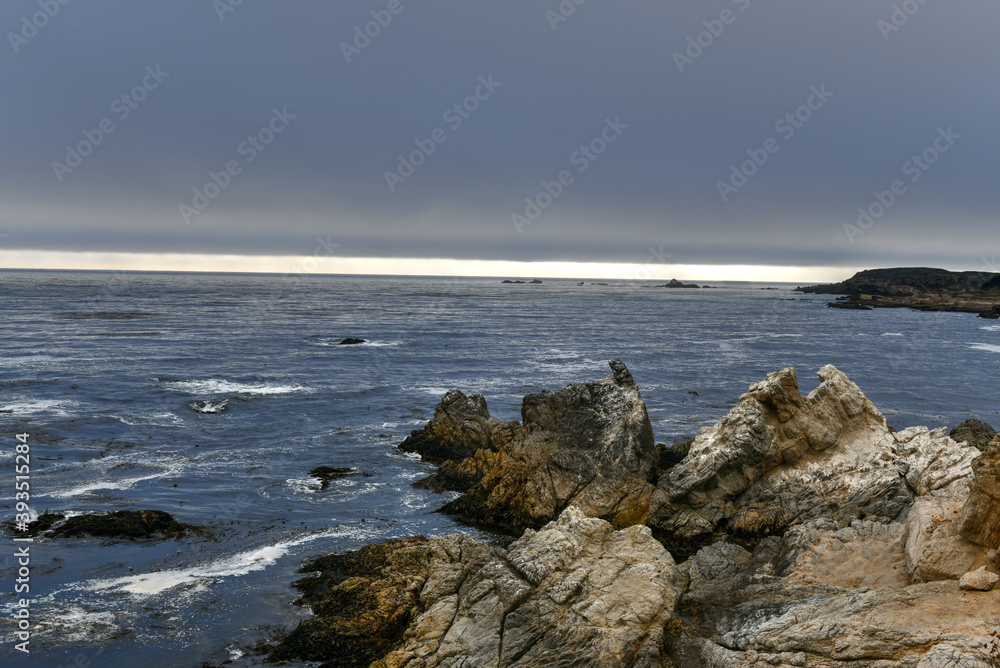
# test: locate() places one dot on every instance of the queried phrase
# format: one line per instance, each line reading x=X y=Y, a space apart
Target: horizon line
x=383 y=266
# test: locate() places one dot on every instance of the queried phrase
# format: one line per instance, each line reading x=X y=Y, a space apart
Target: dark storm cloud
x=535 y=88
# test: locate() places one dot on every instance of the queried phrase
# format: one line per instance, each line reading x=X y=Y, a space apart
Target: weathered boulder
x=975 y=433
x=934 y=549
x=779 y=459
x=981 y=515
x=588 y=445
x=577 y=593
x=978 y=580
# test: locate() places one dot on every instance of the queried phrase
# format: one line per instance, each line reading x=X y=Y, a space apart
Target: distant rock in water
x=210 y=406
x=130 y=524
x=531 y=282
x=589 y=445
x=351 y=342
x=674 y=283
x=576 y=593
x=536 y=281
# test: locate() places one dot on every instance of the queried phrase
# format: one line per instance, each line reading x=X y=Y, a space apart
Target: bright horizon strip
x=71 y=260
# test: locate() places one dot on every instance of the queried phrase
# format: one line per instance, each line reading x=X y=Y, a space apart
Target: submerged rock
x=577 y=593
x=131 y=524
x=210 y=406
x=44 y=522
x=351 y=342
x=589 y=445
x=327 y=474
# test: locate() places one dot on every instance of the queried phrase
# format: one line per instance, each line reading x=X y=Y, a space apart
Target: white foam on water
x=988 y=347
x=892 y=334
x=145 y=585
x=218 y=386
x=165 y=419
x=991 y=328
x=25 y=360
x=76 y=624
x=569 y=367
x=305 y=485
x=434 y=391
x=36 y=406
x=169 y=469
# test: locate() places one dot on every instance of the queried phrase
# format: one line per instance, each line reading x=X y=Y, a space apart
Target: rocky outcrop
x=460 y=427
x=808 y=532
x=980 y=521
x=779 y=459
x=588 y=445
x=826 y=596
x=577 y=593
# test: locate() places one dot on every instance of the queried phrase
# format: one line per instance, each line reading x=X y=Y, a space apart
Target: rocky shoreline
x=922 y=289
x=797 y=531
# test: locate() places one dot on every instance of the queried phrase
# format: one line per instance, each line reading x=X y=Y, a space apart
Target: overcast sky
x=627 y=78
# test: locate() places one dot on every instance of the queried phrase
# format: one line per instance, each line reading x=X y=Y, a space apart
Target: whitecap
x=991 y=328
x=988 y=347
x=36 y=406
x=305 y=485
x=217 y=386
x=165 y=419
x=169 y=469
x=210 y=406
x=892 y=334
x=25 y=360
x=145 y=585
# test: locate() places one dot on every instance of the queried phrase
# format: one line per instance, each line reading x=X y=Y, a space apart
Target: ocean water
x=101 y=369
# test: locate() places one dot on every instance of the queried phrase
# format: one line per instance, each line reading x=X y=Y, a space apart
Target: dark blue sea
x=101 y=370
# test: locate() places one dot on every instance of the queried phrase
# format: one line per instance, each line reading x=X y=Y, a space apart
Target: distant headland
x=920 y=288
